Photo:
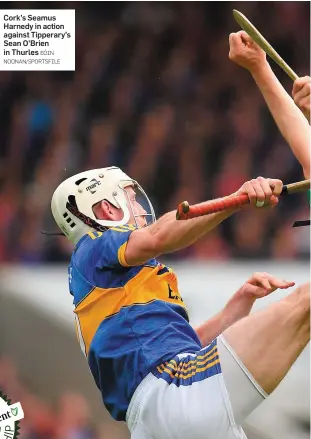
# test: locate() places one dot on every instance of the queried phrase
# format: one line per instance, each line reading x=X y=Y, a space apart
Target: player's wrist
x=243 y=295
x=238 y=307
x=260 y=68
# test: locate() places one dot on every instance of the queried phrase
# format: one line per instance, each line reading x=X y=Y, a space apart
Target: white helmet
x=73 y=201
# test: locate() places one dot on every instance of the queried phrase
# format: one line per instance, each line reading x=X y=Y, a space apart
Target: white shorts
x=187 y=398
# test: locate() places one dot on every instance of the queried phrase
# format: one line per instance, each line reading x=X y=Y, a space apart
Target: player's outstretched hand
x=262 y=191
x=302 y=95
x=263 y=284
x=245 y=52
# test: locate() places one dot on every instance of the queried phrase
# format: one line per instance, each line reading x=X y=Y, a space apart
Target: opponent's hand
x=302 y=94
x=262 y=191
x=245 y=52
x=263 y=284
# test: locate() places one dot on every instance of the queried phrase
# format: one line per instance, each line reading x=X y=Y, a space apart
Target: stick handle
x=300 y=186
x=185 y=211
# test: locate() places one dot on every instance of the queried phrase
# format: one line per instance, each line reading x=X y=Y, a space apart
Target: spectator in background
x=73 y=418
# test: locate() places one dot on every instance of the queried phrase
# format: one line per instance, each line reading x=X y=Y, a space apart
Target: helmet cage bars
x=142 y=199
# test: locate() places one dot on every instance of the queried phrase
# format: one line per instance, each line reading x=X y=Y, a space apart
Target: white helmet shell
x=86 y=189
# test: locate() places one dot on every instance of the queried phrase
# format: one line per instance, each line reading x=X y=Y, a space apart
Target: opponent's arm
x=289 y=119
x=168 y=235
x=240 y=305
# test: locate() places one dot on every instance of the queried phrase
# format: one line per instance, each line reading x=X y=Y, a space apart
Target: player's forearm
x=171 y=235
x=239 y=306
x=290 y=120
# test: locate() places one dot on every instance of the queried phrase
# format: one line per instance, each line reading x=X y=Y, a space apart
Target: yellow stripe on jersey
x=161 y=368
x=173 y=364
x=144 y=288
x=201 y=369
x=124 y=228
x=187 y=368
x=198 y=370
x=184 y=375
x=128 y=227
x=118 y=229
x=95 y=235
x=121 y=255
x=181 y=370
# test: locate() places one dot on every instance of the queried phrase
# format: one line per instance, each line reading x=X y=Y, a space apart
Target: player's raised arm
x=168 y=235
x=289 y=119
x=240 y=305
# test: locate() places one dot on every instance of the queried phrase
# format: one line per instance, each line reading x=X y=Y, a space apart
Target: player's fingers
x=260 y=193
x=287 y=284
x=304 y=105
x=230 y=39
x=299 y=83
x=250 y=191
x=276 y=186
x=275 y=281
x=297 y=87
x=305 y=91
x=262 y=280
x=270 y=199
x=248 y=41
x=280 y=283
x=305 y=102
x=244 y=36
x=235 y=41
x=232 y=46
x=273 y=200
x=264 y=183
x=264 y=283
x=257 y=291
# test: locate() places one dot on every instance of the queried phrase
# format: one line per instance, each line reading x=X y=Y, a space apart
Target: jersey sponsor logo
x=172 y=295
x=92 y=187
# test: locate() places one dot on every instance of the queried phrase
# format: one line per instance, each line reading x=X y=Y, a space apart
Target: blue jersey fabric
x=128 y=319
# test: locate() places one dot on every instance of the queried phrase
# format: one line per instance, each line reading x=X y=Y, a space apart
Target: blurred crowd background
x=69 y=418
x=154 y=93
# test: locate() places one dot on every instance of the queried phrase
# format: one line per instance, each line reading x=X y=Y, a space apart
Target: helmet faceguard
x=141 y=199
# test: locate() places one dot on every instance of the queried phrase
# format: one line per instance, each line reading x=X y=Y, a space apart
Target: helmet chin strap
x=85 y=219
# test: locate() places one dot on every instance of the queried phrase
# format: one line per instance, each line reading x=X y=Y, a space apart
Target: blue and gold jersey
x=128 y=319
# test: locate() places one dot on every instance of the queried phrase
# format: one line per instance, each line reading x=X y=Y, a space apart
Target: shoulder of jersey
x=120 y=229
